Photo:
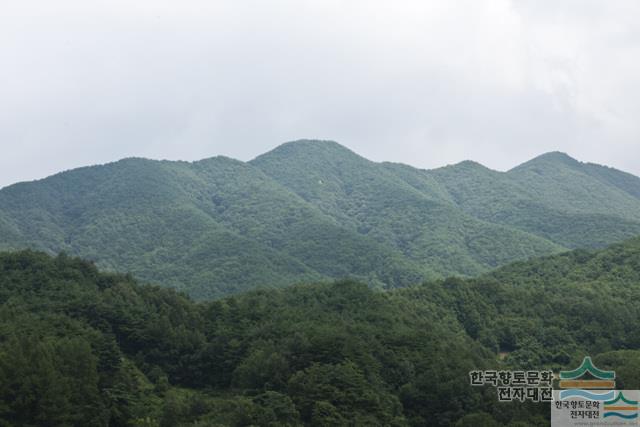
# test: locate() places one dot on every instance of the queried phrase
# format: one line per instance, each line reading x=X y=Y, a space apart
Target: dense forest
x=82 y=347
x=312 y=211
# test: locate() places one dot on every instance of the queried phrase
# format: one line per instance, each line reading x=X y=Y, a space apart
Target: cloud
x=421 y=82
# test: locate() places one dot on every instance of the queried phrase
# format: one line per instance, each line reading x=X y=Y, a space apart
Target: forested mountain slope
x=213 y=227
x=553 y=196
x=314 y=210
x=417 y=220
x=80 y=347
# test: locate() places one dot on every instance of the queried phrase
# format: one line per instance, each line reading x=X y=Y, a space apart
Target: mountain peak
x=555 y=155
x=550 y=158
x=311 y=144
x=470 y=164
x=465 y=166
x=309 y=148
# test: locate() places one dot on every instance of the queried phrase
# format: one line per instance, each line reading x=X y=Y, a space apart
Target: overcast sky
x=426 y=83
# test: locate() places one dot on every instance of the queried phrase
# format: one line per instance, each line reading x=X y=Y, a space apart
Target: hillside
x=89 y=348
x=552 y=196
x=543 y=311
x=212 y=227
x=417 y=220
x=314 y=211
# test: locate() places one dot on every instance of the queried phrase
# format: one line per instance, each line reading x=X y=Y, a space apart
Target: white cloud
x=422 y=82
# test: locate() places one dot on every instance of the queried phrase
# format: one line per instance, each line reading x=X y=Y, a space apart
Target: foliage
x=80 y=347
x=312 y=211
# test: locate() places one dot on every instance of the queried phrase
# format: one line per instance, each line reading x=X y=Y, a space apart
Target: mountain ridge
x=294 y=143
x=315 y=210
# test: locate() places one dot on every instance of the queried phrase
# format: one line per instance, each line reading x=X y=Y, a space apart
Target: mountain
x=88 y=348
x=552 y=196
x=211 y=227
x=383 y=202
x=82 y=347
x=313 y=211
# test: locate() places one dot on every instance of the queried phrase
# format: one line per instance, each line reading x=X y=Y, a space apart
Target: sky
x=427 y=83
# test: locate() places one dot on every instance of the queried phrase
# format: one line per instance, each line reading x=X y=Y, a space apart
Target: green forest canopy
x=81 y=347
x=311 y=211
